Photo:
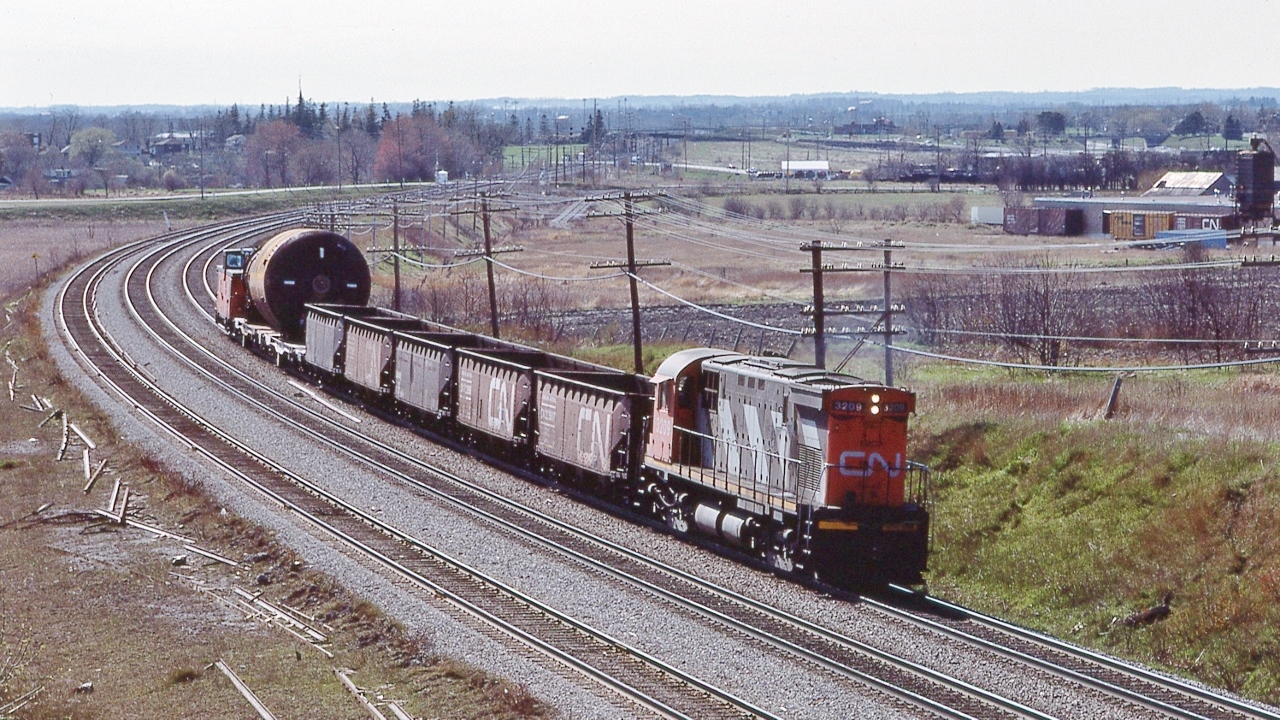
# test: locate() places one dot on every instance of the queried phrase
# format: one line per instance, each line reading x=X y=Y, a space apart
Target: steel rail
x=480 y=613
x=926 y=673
x=1085 y=655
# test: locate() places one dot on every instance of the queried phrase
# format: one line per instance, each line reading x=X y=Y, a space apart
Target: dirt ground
x=100 y=621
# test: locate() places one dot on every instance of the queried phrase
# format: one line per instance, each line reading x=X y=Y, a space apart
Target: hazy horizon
x=148 y=53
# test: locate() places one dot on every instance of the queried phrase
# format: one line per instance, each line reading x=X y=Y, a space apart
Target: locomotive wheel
x=677 y=519
x=781 y=558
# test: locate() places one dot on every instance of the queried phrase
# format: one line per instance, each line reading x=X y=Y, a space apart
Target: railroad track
x=1169 y=695
x=831 y=650
x=656 y=687
x=840 y=655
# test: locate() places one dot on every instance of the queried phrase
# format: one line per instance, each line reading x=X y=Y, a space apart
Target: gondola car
x=802 y=467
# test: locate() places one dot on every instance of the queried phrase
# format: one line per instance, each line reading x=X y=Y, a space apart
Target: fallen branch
x=33 y=513
x=263 y=712
x=51 y=416
x=17 y=703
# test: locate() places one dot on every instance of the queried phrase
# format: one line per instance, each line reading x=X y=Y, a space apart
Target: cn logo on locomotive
x=852 y=464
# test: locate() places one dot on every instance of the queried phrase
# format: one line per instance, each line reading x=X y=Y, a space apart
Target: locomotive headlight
x=875 y=398
x=875 y=409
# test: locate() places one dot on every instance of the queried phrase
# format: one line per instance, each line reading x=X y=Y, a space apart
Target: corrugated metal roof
x=1187 y=183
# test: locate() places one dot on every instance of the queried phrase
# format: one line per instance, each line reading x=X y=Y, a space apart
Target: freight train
x=793 y=464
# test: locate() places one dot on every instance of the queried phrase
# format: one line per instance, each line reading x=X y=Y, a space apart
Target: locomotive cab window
x=685 y=391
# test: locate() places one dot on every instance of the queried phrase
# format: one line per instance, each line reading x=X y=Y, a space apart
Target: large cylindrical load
x=303 y=266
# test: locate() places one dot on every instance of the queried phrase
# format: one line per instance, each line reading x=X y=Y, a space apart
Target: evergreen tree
x=1232 y=129
x=597 y=128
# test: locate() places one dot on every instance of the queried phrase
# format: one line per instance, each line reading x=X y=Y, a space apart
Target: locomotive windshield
x=234 y=261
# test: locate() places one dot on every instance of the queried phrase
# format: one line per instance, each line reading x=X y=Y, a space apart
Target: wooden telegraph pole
x=488 y=252
x=632 y=265
x=820 y=312
x=395 y=254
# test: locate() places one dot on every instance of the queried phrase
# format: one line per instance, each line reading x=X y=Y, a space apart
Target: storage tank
x=1255 y=180
x=301 y=266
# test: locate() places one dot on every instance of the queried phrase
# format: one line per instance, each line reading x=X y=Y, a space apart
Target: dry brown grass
x=57 y=243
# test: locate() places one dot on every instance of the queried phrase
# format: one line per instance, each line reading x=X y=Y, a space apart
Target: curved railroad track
x=656 y=686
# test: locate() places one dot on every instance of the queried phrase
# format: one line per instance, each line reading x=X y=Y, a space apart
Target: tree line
x=298 y=143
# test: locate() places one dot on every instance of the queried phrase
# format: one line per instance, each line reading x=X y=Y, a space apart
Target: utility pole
x=888 y=320
x=395 y=254
x=488 y=266
x=632 y=265
x=819 y=311
x=488 y=252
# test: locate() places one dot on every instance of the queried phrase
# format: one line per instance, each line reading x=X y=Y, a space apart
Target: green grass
x=1072 y=527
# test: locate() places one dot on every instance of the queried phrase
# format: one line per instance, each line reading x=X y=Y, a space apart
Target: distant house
x=131 y=148
x=811 y=169
x=1190 y=184
x=234 y=143
x=175 y=142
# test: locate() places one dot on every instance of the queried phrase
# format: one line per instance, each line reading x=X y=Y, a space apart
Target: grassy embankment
x=1049 y=516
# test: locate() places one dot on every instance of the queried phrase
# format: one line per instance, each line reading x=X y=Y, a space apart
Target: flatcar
x=799 y=466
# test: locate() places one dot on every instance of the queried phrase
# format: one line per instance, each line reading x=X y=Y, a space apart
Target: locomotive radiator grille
x=810 y=476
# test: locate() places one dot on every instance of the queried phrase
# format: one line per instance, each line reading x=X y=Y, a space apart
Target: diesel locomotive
x=799 y=466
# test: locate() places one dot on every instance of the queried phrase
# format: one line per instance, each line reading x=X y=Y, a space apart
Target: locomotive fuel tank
x=301 y=266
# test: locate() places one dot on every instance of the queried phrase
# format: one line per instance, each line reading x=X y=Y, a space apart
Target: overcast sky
x=181 y=52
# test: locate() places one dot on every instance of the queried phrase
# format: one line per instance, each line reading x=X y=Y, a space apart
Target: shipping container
x=1060 y=221
x=1139 y=225
x=986 y=215
x=1021 y=221
x=1201 y=221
